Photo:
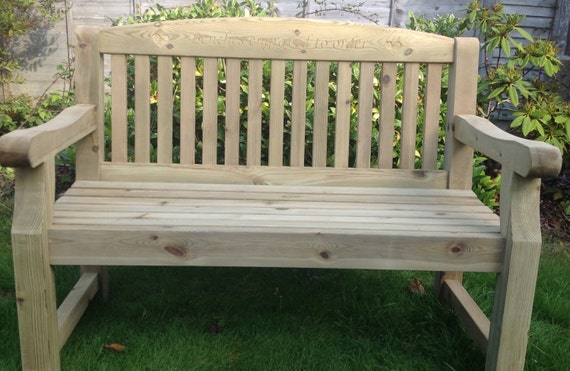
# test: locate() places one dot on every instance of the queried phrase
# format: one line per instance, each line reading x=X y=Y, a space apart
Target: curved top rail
x=277 y=38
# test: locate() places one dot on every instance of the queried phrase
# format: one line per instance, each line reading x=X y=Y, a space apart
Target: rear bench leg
x=103 y=278
x=439 y=279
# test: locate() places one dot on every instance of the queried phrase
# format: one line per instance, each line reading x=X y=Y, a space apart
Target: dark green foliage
x=517 y=78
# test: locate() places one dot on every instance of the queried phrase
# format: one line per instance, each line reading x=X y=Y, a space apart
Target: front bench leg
x=33 y=274
x=514 y=294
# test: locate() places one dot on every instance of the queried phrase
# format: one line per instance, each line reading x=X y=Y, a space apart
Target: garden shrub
x=517 y=80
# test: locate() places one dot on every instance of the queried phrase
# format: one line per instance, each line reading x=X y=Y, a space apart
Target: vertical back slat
x=364 y=143
x=187 y=110
x=165 y=101
x=255 y=78
x=277 y=109
x=119 y=108
x=142 y=108
x=431 y=119
x=231 y=140
x=409 y=115
x=387 y=115
x=298 y=113
x=210 y=113
x=320 y=117
x=342 y=125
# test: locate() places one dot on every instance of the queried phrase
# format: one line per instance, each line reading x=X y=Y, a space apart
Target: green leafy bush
x=24 y=111
x=517 y=81
x=201 y=9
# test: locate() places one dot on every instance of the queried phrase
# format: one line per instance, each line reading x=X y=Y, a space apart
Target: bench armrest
x=31 y=147
x=527 y=158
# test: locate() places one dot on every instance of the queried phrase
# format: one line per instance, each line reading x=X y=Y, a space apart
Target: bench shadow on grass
x=259 y=318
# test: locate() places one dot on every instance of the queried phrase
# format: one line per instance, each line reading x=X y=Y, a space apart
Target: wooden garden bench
x=239 y=174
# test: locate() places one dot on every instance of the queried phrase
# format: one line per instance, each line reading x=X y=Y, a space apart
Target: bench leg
x=103 y=278
x=34 y=278
x=512 y=309
x=439 y=279
x=514 y=294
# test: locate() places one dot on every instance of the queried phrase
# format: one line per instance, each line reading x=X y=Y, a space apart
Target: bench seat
x=134 y=223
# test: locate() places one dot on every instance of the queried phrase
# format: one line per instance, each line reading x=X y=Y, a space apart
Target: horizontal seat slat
x=219 y=224
x=201 y=203
x=136 y=210
x=271 y=197
x=273 y=175
x=238 y=190
x=263 y=220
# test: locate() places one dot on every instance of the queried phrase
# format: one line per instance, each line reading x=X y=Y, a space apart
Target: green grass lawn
x=278 y=319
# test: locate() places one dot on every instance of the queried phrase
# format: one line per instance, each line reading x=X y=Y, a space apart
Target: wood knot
x=408 y=51
x=457 y=249
x=325 y=255
x=177 y=251
x=420 y=173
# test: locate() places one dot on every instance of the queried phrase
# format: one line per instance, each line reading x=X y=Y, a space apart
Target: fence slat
x=119 y=108
x=431 y=121
x=165 y=101
x=188 y=111
x=409 y=116
x=231 y=141
x=320 y=120
x=210 y=113
x=277 y=109
x=387 y=115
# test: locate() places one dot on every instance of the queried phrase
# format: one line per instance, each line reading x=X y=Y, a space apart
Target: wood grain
x=528 y=158
x=275 y=226
x=264 y=38
x=274 y=175
x=142 y=108
x=119 y=108
x=34 y=146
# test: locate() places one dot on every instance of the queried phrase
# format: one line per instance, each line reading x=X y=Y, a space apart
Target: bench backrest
x=260 y=93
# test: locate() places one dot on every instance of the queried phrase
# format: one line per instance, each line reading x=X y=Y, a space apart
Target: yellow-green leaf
x=513 y=95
